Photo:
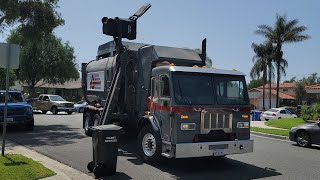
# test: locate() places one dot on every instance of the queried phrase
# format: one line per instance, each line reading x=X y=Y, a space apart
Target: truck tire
x=54 y=110
x=30 y=125
x=149 y=145
x=87 y=123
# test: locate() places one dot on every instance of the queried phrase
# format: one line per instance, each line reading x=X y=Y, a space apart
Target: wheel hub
x=149 y=144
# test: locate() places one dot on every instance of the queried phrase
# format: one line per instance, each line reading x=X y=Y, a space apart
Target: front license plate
x=9 y=119
x=218 y=152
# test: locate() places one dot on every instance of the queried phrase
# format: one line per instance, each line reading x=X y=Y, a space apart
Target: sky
x=228 y=25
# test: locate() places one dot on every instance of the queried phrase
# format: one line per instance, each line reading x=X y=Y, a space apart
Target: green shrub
x=310 y=113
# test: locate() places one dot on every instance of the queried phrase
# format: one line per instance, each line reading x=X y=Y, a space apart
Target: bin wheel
x=149 y=145
x=99 y=170
x=90 y=166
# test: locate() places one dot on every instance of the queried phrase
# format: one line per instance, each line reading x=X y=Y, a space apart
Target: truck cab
x=200 y=111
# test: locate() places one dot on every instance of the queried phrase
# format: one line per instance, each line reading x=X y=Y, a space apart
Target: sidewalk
x=63 y=172
x=260 y=124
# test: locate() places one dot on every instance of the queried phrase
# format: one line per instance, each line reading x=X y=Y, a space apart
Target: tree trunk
x=269 y=65
x=32 y=91
x=278 y=59
x=278 y=82
x=263 y=87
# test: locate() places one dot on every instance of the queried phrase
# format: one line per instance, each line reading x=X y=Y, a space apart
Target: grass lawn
x=285 y=123
x=271 y=131
x=18 y=167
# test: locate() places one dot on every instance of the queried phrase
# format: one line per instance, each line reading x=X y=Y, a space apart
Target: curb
x=270 y=135
x=63 y=172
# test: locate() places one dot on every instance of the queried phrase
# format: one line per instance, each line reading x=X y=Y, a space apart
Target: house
x=256 y=98
x=71 y=90
x=286 y=95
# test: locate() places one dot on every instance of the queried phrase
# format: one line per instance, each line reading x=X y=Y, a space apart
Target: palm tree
x=269 y=51
x=284 y=31
x=260 y=65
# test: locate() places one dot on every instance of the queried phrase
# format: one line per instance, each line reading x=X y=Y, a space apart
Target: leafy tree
x=12 y=78
x=49 y=60
x=254 y=83
x=35 y=16
x=43 y=56
x=260 y=65
x=284 y=31
x=292 y=80
x=300 y=92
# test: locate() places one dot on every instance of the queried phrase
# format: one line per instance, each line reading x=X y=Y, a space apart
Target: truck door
x=165 y=107
x=45 y=103
x=39 y=103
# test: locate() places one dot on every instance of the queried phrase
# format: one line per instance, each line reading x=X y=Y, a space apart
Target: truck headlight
x=243 y=125
x=188 y=126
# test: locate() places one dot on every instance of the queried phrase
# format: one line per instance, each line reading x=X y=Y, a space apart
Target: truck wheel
x=30 y=125
x=87 y=123
x=44 y=112
x=54 y=110
x=149 y=145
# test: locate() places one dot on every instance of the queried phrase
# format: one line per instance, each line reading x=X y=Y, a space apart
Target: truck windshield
x=13 y=97
x=56 y=98
x=209 y=89
x=230 y=90
x=193 y=88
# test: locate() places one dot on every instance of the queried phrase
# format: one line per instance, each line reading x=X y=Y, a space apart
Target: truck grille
x=14 y=112
x=216 y=120
x=68 y=105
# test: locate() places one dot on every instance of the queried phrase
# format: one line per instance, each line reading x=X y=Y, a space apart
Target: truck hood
x=16 y=105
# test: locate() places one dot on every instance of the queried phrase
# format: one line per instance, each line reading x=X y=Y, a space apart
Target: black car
x=306 y=134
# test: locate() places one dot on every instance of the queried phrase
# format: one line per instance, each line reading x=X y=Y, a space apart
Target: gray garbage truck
x=179 y=107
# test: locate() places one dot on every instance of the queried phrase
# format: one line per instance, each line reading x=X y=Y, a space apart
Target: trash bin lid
x=108 y=127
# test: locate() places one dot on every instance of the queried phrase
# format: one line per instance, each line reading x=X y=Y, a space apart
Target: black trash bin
x=105 y=140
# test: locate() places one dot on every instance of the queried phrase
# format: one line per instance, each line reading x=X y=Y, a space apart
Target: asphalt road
x=61 y=137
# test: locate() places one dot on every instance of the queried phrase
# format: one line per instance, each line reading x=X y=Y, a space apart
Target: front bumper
x=17 y=120
x=66 y=109
x=221 y=148
x=292 y=135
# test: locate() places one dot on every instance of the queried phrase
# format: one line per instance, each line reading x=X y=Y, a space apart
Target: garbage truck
x=178 y=107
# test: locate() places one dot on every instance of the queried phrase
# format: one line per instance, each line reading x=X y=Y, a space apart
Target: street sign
x=9 y=58
x=10 y=51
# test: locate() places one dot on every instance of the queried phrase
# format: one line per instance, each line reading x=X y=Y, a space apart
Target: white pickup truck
x=53 y=103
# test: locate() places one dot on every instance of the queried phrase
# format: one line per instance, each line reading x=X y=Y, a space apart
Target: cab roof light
x=195 y=66
x=213 y=67
x=234 y=69
x=171 y=64
x=204 y=66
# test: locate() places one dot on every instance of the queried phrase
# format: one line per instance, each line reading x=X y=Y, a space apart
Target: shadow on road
x=51 y=135
x=200 y=168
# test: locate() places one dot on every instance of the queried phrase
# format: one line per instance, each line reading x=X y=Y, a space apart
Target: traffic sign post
x=9 y=58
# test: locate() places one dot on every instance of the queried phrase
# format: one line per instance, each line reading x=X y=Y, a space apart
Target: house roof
x=314 y=86
x=281 y=85
x=274 y=92
x=74 y=84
